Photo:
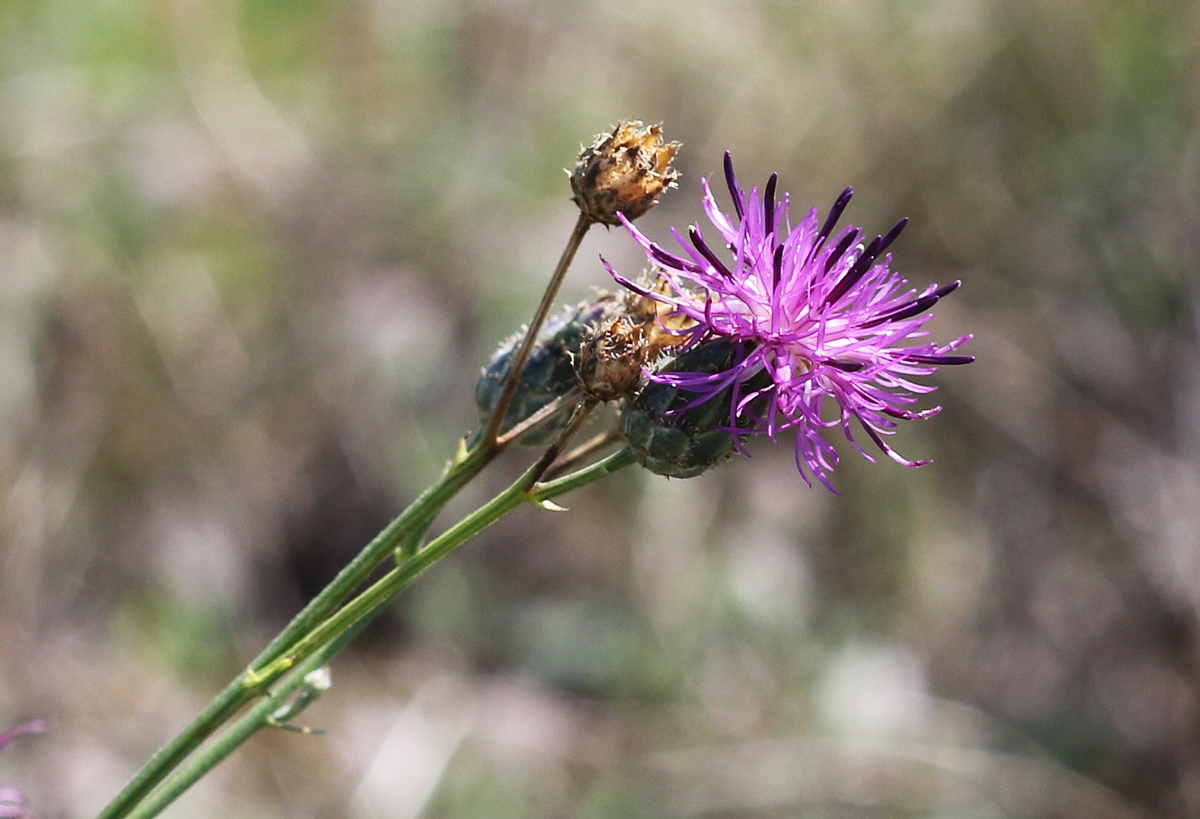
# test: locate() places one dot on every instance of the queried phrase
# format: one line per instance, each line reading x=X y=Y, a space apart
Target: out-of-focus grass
x=254 y=255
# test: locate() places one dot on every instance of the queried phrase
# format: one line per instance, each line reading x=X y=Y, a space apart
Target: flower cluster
x=822 y=314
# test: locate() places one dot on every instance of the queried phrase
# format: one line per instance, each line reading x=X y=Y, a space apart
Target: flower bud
x=549 y=373
x=672 y=441
x=623 y=172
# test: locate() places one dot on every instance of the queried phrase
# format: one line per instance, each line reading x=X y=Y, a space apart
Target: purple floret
x=822 y=314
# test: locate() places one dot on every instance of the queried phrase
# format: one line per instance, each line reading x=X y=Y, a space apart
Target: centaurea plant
x=694 y=358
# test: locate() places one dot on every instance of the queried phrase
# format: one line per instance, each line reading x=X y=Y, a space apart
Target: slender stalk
x=214 y=715
x=243 y=729
x=492 y=431
x=606 y=466
x=415 y=519
x=584 y=452
x=388 y=586
x=560 y=404
x=249 y=723
x=364 y=609
x=249 y=683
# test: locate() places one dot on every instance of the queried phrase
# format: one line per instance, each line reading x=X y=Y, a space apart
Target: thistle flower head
x=622 y=174
x=822 y=314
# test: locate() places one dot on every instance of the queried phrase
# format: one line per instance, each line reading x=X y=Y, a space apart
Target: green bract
x=549 y=373
x=675 y=443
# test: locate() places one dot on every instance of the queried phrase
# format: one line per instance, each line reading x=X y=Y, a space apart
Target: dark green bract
x=549 y=373
x=681 y=444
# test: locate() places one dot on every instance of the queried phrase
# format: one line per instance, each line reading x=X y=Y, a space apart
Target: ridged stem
x=407 y=528
x=318 y=647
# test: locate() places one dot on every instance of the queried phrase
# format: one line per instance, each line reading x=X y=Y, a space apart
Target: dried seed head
x=611 y=358
x=623 y=172
x=632 y=336
x=662 y=324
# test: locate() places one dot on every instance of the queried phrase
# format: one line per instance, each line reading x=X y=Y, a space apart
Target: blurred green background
x=253 y=254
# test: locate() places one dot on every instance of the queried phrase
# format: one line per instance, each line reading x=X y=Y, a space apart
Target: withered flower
x=623 y=172
x=611 y=359
x=615 y=353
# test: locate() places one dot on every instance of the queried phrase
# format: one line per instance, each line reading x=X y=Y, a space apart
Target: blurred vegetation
x=255 y=253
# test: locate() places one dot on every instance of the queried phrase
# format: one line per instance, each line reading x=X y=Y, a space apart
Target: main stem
x=394 y=581
x=245 y=727
x=418 y=515
x=249 y=684
x=321 y=645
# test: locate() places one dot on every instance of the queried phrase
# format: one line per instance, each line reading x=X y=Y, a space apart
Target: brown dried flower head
x=662 y=325
x=623 y=172
x=611 y=358
x=614 y=352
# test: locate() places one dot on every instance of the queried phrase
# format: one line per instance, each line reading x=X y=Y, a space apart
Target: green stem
x=606 y=466
x=522 y=490
x=245 y=727
x=310 y=654
x=250 y=683
x=415 y=519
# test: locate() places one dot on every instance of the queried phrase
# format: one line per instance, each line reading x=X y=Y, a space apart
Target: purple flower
x=821 y=314
x=12 y=802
